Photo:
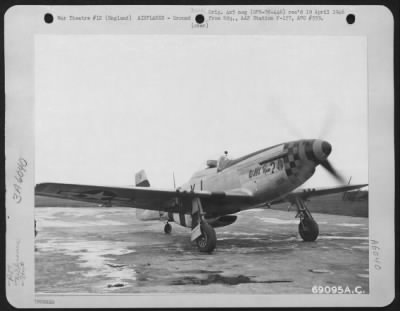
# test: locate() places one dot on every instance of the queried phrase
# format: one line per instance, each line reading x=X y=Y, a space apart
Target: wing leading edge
x=138 y=197
x=305 y=194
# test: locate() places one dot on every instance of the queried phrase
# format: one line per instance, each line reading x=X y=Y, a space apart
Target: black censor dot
x=350 y=19
x=48 y=18
x=199 y=18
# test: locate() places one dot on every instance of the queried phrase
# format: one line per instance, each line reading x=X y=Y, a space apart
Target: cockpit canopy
x=212 y=163
x=220 y=164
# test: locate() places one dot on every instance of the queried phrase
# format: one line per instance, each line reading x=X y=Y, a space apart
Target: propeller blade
x=329 y=121
x=328 y=166
x=276 y=107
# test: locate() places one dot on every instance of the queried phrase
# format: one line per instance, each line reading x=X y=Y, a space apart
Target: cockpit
x=220 y=164
x=212 y=163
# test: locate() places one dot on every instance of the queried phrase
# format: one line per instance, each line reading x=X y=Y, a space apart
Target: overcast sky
x=108 y=106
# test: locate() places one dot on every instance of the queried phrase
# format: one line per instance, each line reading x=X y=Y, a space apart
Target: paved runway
x=107 y=250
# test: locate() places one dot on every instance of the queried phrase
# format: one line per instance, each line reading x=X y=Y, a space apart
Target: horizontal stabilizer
x=144 y=215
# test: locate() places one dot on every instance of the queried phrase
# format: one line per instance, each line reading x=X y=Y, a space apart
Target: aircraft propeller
x=329 y=167
x=325 y=129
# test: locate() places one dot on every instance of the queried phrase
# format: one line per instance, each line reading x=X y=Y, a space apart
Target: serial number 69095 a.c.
x=319 y=289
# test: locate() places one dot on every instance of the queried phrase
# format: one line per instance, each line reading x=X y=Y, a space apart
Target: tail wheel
x=308 y=229
x=208 y=239
x=167 y=228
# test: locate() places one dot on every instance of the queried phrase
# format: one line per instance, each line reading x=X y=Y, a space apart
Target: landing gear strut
x=308 y=227
x=167 y=228
x=202 y=232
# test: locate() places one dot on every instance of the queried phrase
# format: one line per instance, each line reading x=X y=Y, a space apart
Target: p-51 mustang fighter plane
x=225 y=187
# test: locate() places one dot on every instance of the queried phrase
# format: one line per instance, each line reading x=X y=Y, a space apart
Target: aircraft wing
x=137 y=197
x=307 y=193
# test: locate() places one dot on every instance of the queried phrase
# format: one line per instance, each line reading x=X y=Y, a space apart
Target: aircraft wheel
x=167 y=228
x=308 y=229
x=208 y=240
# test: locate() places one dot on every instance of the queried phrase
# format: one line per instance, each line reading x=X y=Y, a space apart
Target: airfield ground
x=107 y=250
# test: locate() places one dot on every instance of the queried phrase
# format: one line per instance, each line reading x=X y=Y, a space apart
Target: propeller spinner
x=322 y=149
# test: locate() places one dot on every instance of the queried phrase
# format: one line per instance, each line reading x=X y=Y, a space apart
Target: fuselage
x=267 y=174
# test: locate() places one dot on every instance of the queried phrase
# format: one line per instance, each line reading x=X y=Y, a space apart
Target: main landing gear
x=308 y=227
x=202 y=232
x=207 y=241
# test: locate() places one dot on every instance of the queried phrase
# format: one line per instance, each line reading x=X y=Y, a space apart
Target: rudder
x=141 y=179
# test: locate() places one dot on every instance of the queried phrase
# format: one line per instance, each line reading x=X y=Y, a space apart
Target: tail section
x=142 y=181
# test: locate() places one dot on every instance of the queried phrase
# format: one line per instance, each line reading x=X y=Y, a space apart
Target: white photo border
x=23 y=23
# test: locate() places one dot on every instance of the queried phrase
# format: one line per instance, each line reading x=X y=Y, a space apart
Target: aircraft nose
x=322 y=149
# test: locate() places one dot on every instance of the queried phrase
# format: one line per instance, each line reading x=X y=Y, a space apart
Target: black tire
x=167 y=228
x=208 y=239
x=308 y=229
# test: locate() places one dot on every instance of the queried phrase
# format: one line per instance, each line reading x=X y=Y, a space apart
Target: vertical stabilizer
x=141 y=179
